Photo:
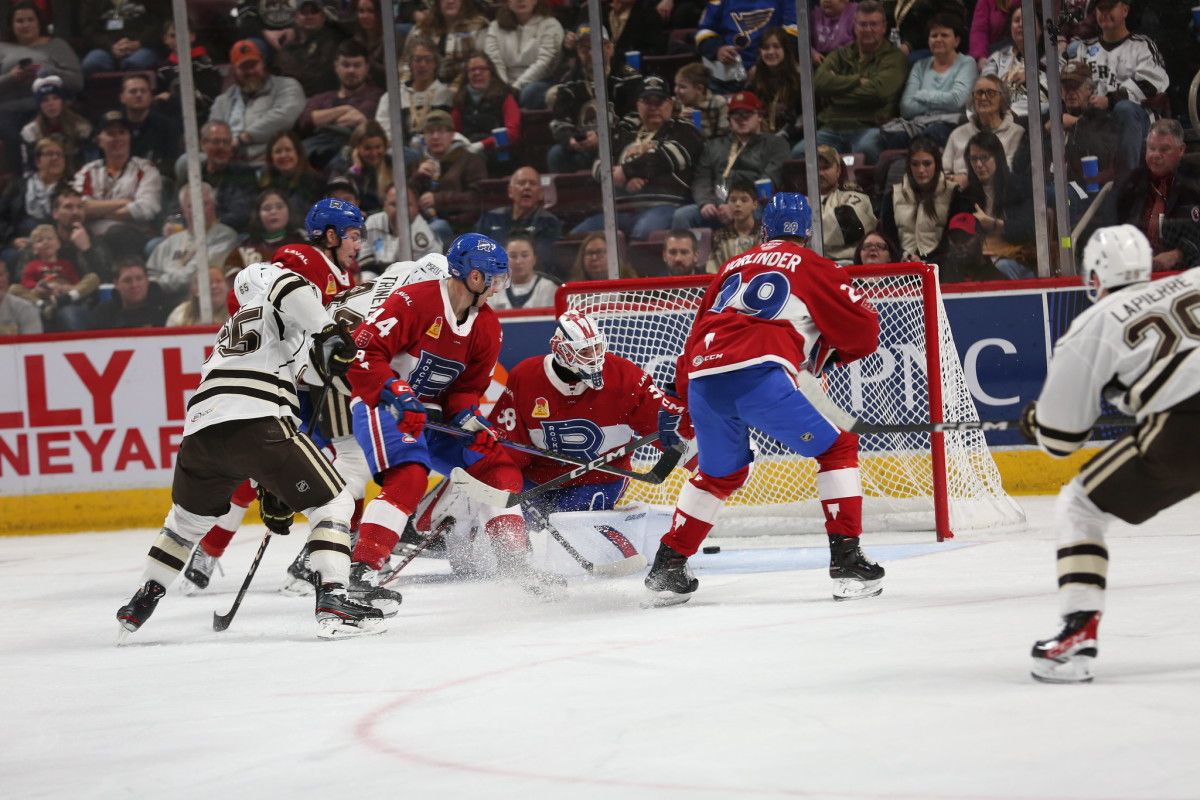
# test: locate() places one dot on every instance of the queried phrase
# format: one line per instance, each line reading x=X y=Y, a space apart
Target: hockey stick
x=221 y=621
x=810 y=387
x=463 y=480
x=626 y=566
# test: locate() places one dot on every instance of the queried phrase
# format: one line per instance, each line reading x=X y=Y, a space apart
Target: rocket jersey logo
x=433 y=374
x=575 y=437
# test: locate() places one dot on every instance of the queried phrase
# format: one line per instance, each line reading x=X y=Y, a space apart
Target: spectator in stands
x=207 y=80
x=910 y=20
x=680 y=14
x=635 y=25
x=858 y=85
x=693 y=95
x=18 y=316
x=288 y=171
x=1001 y=205
x=119 y=35
x=25 y=202
x=367 y=30
x=54 y=282
x=962 y=257
x=446 y=179
x=1088 y=131
x=990 y=23
x=989 y=110
x=341 y=188
x=456 y=30
x=775 y=79
x=258 y=105
x=368 y=166
x=526 y=216
x=935 y=93
x=846 y=213
x=1162 y=198
x=524 y=42
x=122 y=193
x=729 y=34
x=915 y=212
x=382 y=236
x=258 y=20
x=272 y=227
x=743 y=230
x=136 y=302
x=188 y=312
x=571 y=99
x=746 y=152
x=307 y=49
x=832 y=28
x=155 y=137
x=591 y=262
x=54 y=118
x=329 y=118
x=528 y=286
x=1008 y=63
x=173 y=264
x=419 y=95
x=235 y=183
x=76 y=244
x=482 y=104
x=876 y=248
x=1128 y=72
x=654 y=165
x=681 y=253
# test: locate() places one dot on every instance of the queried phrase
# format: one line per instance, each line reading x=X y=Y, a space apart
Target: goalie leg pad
x=696 y=509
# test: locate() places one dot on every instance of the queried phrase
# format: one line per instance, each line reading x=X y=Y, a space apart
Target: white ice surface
x=762 y=686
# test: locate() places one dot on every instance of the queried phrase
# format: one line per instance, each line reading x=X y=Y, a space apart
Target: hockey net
x=911 y=481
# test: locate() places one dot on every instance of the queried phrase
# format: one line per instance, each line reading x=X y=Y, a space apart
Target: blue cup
x=1090 y=165
x=698 y=119
x=764 y=188
x=501 y=137
x=1196 y=18
x=634 y=59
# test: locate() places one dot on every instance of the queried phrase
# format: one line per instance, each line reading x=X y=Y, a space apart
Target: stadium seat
x=665 y=67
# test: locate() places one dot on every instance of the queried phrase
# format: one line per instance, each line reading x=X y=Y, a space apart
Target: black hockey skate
x=363 y=589
x=340 y=616
x=1067 y=658
x=301 y=581
x=134 y=614
x=854 y=575
x=199 y=570
x=670 y=580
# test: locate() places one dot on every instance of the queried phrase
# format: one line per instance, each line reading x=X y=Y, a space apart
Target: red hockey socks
x=385 y=516
x=696 y=509
x=840 y=487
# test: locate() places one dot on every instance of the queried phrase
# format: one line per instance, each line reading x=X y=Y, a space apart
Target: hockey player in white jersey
x=241 y=423
x=1139 y=348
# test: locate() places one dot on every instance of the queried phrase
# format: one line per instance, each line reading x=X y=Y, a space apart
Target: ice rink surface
x=762 y=686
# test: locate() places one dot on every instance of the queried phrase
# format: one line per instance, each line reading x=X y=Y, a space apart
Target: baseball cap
x=438 y=118
x=329 y=8
x=654 y=86
x=962 y=222
x=244 y=50
x=744 y=101
x=1075 y=72
x=828 y=154
x=1094 y=4
x=114 y=117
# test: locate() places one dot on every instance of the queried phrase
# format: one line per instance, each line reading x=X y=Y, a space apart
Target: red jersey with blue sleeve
x=414 y=335
x=540 y=409
x=777 y=303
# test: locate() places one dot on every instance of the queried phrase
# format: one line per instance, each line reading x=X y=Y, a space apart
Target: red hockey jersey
x=538 y=408
x=771 y=305
x=308 y=261
x=414 y=335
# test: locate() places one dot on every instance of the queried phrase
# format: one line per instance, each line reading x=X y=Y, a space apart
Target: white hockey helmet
x=1114 y=257
x=579 y=346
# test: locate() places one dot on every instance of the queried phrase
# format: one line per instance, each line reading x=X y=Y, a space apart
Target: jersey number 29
x=763 y=296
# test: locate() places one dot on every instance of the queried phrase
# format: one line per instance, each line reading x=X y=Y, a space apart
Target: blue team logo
x=575 y=437
x=433 y=374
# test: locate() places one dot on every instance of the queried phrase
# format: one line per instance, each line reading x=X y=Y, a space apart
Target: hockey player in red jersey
x=433 y=344
x=770 y=312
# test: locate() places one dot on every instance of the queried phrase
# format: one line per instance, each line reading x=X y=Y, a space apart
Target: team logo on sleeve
x=435 y=330
x=541 y=408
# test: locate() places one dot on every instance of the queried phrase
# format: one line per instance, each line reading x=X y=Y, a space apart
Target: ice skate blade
x=665 y=598
x=848 y=589
x=123 y=632
x=297 y=587
x=1074 y=670
x=334 y=627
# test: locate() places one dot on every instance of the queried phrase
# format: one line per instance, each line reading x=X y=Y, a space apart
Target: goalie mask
x=578 y=346
x=1114 y=257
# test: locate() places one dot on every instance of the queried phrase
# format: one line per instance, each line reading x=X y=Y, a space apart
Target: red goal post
x=911 y=481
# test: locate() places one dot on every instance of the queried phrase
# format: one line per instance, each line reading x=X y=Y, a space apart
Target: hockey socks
x=385 y=516
x=219 y=536
x=696 y=509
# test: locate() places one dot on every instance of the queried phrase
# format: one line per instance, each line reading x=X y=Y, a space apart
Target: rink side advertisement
x=90 y=423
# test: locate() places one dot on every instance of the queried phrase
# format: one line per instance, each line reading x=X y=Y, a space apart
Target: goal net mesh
x=648 y=323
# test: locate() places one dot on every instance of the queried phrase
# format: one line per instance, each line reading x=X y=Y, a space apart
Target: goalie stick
x=626 y=566
x=461 y=479
x=221 y=621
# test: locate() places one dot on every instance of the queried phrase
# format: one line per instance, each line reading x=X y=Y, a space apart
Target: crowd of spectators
x=923 y=113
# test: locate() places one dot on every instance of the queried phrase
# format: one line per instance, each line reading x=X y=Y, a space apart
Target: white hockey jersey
x=1132 y=67
x=251 y=371
x=1139 y=348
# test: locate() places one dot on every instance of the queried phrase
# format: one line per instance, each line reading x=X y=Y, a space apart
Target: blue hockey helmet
x=474 y=251
x=332 y=213
x=787 y=214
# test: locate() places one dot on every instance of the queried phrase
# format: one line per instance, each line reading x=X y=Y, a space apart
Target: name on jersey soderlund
x=778 y=258
x=1153 y=293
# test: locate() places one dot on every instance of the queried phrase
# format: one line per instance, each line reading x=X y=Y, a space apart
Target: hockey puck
x=712 y=550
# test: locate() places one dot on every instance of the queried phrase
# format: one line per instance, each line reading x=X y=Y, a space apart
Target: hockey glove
x=333 y=351
x=669 y=434
x=410 y=413
x=823 y=358
x=486 y=436
x=1028 y=422
x=275 y=513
